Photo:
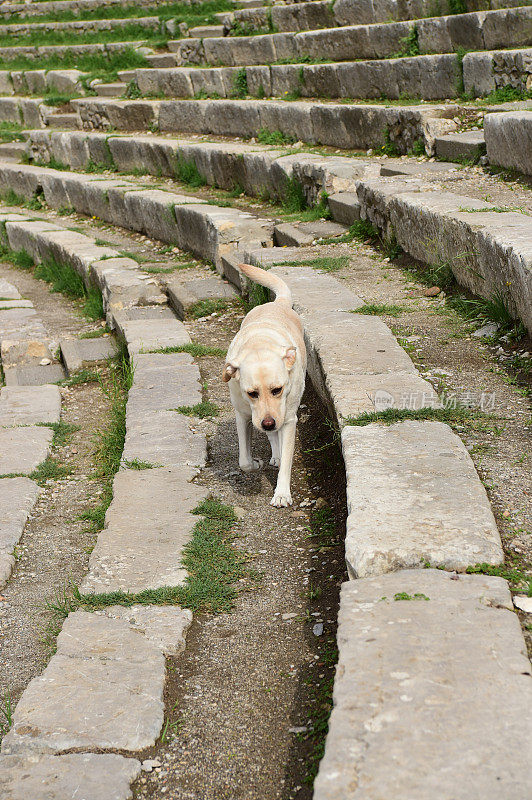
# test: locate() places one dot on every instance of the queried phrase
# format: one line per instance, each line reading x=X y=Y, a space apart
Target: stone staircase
x=259 y=101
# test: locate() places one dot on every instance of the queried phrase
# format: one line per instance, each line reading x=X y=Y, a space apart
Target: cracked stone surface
x=23 y=449
x=102 y=689
x=87 y=776
x=139 y=550
x=408 y=720
x=413 y=496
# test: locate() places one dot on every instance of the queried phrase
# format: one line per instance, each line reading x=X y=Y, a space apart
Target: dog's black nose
x=268 y=423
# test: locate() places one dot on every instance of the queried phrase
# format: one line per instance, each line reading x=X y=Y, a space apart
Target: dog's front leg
x=287 y=435
x=245 y=460
x=273 y=438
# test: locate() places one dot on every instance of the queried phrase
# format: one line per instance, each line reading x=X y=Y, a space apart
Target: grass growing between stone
x=517 y=578
x=325 y=263
x=202 y=410
x=109 y=442
x=379 y=309
x=456 y=415
x=194 y=349
x=203 y=308
x=213 y=565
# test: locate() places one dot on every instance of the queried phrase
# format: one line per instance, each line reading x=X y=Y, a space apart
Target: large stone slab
x=162 y=382
x=431 y=696
x=102 y=689
x=165 y=626
x=147 y=525
x=23 y=449
x=80 y=353
x=509 y=140
x=142 y=336
x=17 y=498
x=8 y=291
x=28 y=405
x=413 y=497
x=87 y=776
x=163 y=438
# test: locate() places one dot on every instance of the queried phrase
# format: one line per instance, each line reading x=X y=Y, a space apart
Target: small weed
x=516 y=577
x=293 y=199
x=201 y=410
x=325 y=263
x=405 y=596
x=187 y=172
x=240 y=84
x=49 y=470
x=62 y=431
x=6 y=714
x=322 y=528
x=135 y=463
x=80 y=378
x=194 y=349
x=378 y=309
x=458 y=415
x=95 y=334
x=132 y=91
x=265 y=136
x=203 y=308
x=409 y=44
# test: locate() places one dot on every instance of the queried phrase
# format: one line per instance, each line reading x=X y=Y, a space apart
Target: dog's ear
x=229 y=372
x=289 y=358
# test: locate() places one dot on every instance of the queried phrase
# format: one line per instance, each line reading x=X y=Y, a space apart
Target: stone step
x=461 y=147
x=185 y=294
x=509 y=140
x=162 y=60
x=410 y=643
x=12 y=151
x=486 y=30
x=414 y=497
x=68 y=121
x=98 y=776
x=78 y=26
x=79 y=354
x=404 y=204
x=60 y=6
x=35 y=81
x=335 y=124
x=115 y=701
x=206 y=31
x=110 y=89
x=37 y=52
x=483 y=73
x=303 y=234
x=306 y=16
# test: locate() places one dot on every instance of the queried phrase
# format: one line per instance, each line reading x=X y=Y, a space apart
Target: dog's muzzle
x=268 y=423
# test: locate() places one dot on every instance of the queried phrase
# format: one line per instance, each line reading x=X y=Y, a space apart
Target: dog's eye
x=253 y=394
x=277 y=390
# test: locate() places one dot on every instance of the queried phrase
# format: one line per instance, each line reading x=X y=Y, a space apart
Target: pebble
x=290 y=615
x=523 y=602
x=149 y=764
x=317 y=629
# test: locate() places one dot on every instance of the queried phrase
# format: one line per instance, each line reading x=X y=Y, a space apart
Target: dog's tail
x=273 y=282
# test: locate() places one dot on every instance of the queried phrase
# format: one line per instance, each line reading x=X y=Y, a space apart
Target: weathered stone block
x=23 y=449
x=509 y=140
x=429 y=695
x=88 y=775
x=139 y=550
x=414 y=497
x=17 y=498
x=28 y=405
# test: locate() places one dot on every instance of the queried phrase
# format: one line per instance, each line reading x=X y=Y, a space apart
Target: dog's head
x=265 y=381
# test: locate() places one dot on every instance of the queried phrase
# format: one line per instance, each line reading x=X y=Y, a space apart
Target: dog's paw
x=251 y=466
x=275 y=462
x=281 y=499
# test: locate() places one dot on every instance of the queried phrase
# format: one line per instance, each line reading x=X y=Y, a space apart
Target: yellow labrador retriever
x=266 y=365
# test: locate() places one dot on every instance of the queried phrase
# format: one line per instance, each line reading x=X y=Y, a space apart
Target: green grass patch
x=325 y=263
x=379 y=309
x=186 y=171
x=240 y=84
x=458 y=415
x=62 y=431
x=95 y=334
x=167 y=270
x=201 y=410
x=506 y=94
x=80 y=378
x=515 y=577
x=109 y=441
x=11 y=132
x=406 y=596
x=49 y=470
x=136 y=463
x=265 y=136
x=64 y=279
x=494 y=309
x=203 y=308
x=213 y=565
x=194 y=349
x=95 y=65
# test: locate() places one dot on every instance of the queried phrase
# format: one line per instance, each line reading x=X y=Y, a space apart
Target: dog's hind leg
x=245 y=460
x=282 y=496
x=273 y=437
